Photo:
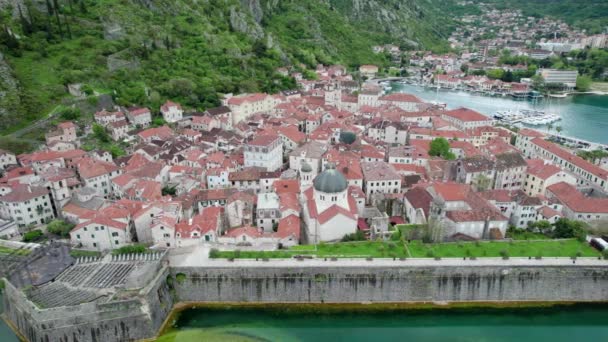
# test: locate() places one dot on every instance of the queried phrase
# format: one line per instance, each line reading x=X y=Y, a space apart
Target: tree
x=495 y=73
x=167 y=190
x=566 y=228
x=583 y=83
x=440 y=147
x=542 y=226
x=593 y=156
x=558 y=129
x=32 y=236
x=83 y=7
x=70 y=114
x=356 y=236
x=60 y=227
x=347 y=137
x=100 y=133
x=538 y=82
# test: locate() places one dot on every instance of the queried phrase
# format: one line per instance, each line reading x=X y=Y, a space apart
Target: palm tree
x=558 y=129
x=550 y=127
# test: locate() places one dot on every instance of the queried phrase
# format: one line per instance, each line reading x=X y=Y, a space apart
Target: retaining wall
x=391 y=284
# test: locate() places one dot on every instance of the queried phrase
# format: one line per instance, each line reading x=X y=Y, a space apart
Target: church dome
x=330 y=180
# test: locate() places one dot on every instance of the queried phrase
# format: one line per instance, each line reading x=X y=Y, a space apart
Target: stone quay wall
x=309 y=281
x=383 y=284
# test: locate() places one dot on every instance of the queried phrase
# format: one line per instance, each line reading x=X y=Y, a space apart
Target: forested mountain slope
x=145 y=51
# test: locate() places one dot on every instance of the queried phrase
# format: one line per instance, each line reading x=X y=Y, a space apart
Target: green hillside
x=145 y=51
x=591 y=15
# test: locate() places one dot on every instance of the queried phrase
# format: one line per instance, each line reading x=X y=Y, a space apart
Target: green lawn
x=76 y=253
x=417 y=249
x=6 y=250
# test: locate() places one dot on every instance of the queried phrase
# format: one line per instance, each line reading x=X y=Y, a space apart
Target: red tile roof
x=22 y=193
x=163 y=132
x=569 y=196
x=282 y=186
x=466 y=114
x=530 y=133
x=263 y=140
x=168 y=105
x=540 y=169
x=239 y=100
x=289 y=201
x=332 y=212
x=99 y=219
x=419 y=198
x=247 y=230
x=90 y=168
x=401 y=97
x=288 y=226
x=137 y=111
x=548 y=213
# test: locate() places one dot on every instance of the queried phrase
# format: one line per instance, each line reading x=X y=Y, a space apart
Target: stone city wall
x=118 y=320
x=309 y=281
x=391 y=284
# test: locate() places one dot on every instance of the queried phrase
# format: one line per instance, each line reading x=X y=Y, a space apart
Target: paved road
x=190 y=256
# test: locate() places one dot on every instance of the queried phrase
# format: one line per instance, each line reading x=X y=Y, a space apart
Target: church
x=330 y=211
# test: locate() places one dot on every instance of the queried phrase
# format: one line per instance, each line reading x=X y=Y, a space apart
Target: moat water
x=583 y=116
x=575 y=323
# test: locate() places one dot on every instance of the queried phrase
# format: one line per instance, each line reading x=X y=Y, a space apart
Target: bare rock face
x=113 y=31
x=9 y=94
x=255 y=8
x=14 y=4
x=239 y=22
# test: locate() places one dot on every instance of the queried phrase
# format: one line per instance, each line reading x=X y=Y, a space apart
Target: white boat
x=559 y=96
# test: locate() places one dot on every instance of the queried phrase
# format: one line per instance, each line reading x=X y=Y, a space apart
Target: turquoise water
x=583 y=116
x=579 y=323
x=6 y=334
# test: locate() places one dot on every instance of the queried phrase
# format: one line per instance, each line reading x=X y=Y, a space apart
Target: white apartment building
x=140 y=117
x=268 y=211
x=587 y=174
x=265 y=151
x=27 y=205
x=217 y=178
x=465 y=119
x=388 y=132
x=566 y=78
x=380 y=177
x=172 y=112
x=541 y=174
x=101 y=233
x=96 y=175
x=369 y=97
x=245 y=105
x=6 y=159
